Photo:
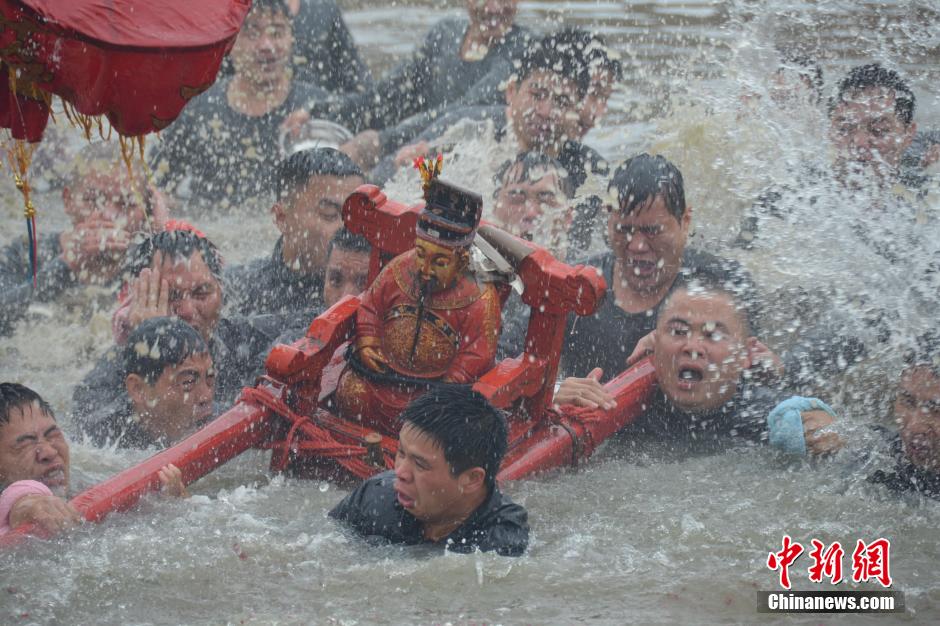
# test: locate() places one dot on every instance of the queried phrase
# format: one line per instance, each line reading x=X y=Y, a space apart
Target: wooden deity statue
x=426 y=320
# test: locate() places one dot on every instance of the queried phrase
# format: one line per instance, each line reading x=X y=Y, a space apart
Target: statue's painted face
x=438 y=264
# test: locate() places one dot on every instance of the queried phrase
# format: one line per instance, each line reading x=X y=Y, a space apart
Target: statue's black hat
x=450 y=216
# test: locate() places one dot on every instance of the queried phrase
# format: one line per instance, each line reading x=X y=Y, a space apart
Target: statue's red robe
x=457 y=343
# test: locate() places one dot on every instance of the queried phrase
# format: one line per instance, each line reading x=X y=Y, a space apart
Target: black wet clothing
x=373 y=510
x=742 y=418
x=905 y=477
x=227 y=156
x=774 y=208
x=238 y=348
x=120 y=428
x=267 y=285
x=912 y=171
x=324 y=52
x=606 y=338
x=433 y=79
x=16 y=278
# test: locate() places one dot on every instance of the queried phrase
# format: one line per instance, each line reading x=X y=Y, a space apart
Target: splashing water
x=628 y=534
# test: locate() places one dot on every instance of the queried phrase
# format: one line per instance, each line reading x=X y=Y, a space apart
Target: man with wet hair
x=106 y=209
x=34 y=463
x=532 y=199
x=602 y=67
x=226 y=141
x=871 y=128
x=311 y=187
x=872 y=124
x=347 y=274
x=542 y=105
x=443 y=489
x=798 y=78
x=915 y=446
x=169 y=385
x=867 y=202
x=177 y=273
x=347 y=266
x=704 y=352
x=462 y=62
x=647 y=230
x=35 y=468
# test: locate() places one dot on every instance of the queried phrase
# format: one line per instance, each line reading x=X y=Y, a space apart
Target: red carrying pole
x=244 y=426
x=577 y=432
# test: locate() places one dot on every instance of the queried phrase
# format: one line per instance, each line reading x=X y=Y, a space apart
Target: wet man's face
x=648 y=244
x=525 y=202
x=178 y=402
x=33 y=448
x=701 y=348
x=106 y=195
x=347 y=273
x=868 y=135
x=424 y=483
x=438 y=265
x=309 y=218
x=594 y=104
x=917 y=410
x=262 y=50
x=195 y=294
x=492 y=17
x=543 y=109
x=792 y=88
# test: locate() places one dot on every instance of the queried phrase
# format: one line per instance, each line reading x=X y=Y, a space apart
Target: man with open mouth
x=443 y=489
x=704 y=353
x=34 y=464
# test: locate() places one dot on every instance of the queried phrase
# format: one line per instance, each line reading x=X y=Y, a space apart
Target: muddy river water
x=628 y=537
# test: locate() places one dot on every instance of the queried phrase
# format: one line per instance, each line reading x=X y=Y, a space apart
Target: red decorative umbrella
x=137 y=62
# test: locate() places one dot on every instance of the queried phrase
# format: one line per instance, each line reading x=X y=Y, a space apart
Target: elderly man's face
x=105 y=195
x=32 y=447
x=868 y=135
x=195 y=293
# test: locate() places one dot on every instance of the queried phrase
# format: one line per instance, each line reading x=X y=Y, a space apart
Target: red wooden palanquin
x=285 y=410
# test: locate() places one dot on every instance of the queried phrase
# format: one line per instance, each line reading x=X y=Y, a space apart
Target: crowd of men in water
x=190 y=332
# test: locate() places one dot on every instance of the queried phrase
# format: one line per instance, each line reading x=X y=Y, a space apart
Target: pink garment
x=11 y=496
